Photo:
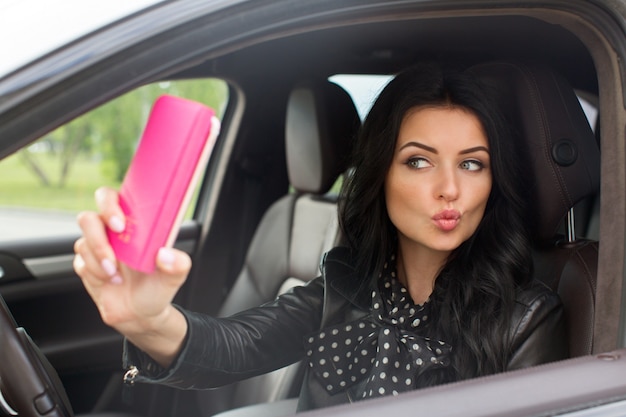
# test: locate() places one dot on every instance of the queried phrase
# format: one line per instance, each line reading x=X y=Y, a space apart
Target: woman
x=433 y=286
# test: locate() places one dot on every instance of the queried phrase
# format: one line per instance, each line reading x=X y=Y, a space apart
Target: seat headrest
x=548 y=117
x=321 y=124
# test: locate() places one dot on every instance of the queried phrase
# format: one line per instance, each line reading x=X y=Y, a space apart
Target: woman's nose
x=448 y=186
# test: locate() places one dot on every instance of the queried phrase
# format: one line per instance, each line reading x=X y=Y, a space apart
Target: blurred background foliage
x=94 y=149
x=109 y=134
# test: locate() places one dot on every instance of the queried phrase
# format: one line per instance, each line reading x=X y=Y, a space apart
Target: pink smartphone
x=174 y=148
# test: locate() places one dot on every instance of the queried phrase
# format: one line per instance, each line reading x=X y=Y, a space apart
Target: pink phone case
x=174 y=148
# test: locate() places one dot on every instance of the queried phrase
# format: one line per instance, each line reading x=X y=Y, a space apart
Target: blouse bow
x=380 y=354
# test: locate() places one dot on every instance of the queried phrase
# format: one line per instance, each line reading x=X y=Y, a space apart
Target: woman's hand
x=136 y=304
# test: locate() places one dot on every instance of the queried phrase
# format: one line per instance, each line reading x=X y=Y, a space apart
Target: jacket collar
x=339 y=272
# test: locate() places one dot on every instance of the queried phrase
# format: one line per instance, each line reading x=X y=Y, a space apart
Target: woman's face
x=437 y=186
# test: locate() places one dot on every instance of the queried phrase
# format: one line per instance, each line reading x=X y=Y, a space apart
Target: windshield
x=32 y=28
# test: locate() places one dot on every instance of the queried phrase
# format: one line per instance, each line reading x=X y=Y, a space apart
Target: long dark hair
x=475 y=291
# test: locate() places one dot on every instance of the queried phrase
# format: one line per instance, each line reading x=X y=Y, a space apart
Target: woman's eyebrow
x=474 y=149
x=433 y=150
x=419 y=145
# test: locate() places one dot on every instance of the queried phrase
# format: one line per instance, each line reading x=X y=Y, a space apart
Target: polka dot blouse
x=382 y=353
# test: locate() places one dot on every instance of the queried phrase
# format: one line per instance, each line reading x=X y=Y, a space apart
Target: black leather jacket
x=221 y=351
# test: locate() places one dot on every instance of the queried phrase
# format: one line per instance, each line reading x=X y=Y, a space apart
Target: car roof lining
x=375 y=48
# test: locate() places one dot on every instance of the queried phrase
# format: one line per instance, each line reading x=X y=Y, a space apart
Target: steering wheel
x=29 y=385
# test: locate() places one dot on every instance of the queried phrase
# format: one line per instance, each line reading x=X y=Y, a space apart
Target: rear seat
x=295 y=232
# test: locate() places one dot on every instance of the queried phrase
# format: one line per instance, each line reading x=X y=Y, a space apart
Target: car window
x=363 y=88
x=591 y=110
x=45 y=185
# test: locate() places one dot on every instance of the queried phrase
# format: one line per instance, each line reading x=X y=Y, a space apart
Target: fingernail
x=79 y=262
x=99 y=195
x=116 y=224
x=166 y=256
x=116 y=280
x=109 y=267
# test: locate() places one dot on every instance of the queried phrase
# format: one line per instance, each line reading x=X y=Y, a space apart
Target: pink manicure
x=166 y=256
x=116 y=224
x=109 y=267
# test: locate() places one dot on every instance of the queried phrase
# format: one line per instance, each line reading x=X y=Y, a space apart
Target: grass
x=20 y=187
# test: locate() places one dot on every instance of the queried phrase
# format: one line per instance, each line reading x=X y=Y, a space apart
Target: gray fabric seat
x=294 y=233
x=564 y=170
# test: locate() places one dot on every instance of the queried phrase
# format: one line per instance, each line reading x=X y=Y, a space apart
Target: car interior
x=266 y=211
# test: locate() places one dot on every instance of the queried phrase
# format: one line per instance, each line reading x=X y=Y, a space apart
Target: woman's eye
x=418 y=163
x=472 y=165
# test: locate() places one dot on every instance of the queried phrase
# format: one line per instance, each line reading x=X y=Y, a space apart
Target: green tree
x=64 y=144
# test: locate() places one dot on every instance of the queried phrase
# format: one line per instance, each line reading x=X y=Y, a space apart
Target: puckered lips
x=447 y=220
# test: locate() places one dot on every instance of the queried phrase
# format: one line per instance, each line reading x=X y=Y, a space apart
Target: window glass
x=591 y=111
x=46 y=184
x=362 y=88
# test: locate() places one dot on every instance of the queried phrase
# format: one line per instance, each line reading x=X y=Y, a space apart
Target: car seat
x=295 y=231
x=564 y=169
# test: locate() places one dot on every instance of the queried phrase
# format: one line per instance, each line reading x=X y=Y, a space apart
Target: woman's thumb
x=173 y=262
